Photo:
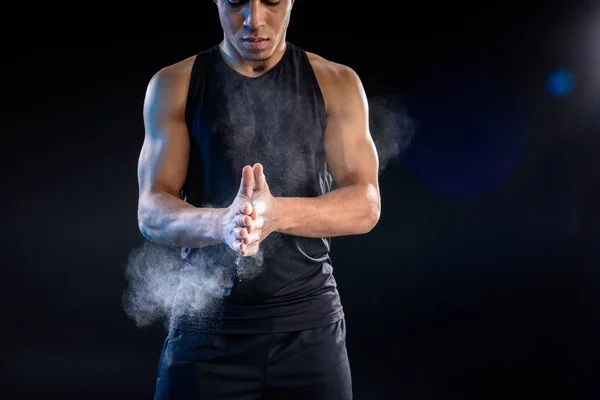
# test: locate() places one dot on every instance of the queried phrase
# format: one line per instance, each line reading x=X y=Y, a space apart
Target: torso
x=277 y=117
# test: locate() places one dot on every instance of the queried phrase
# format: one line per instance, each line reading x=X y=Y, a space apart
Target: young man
x=294 y=125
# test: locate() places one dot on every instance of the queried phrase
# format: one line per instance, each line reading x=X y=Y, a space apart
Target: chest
x=277 y=122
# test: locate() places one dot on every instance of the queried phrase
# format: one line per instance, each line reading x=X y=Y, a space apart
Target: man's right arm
x=163 y=216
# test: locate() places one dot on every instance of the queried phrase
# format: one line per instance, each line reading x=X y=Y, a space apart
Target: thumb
x=247 y=184
x=260 y=183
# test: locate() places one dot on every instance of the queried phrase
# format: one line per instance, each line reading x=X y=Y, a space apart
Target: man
x=291 y=122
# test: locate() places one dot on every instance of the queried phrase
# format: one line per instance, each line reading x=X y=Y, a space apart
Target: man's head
x=255 y=29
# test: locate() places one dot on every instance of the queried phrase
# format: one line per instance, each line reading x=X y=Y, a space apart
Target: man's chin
x=262 y=55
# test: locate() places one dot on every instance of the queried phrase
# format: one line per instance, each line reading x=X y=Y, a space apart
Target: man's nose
x=254 y=15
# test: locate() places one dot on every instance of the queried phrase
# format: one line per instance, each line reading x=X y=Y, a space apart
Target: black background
x=481 y=278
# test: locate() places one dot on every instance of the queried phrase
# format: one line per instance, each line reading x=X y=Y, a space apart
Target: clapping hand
x=253 y=214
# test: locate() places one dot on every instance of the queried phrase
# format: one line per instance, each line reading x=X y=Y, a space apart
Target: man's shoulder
x=182 y=69
x=334 y=78
x=171 y=82
x=176 y=73
x=329 y=68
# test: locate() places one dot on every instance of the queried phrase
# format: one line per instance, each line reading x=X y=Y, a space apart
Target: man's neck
x=250 y=68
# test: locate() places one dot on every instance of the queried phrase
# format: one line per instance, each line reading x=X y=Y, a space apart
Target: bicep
x=350 y=151
x=163 y=160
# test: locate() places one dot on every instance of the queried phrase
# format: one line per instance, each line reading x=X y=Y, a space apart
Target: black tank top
x=277 y=119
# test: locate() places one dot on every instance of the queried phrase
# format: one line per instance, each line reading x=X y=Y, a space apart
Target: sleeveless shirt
x=277 y=119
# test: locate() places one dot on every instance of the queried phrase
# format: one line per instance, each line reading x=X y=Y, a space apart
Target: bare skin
x=352 y=209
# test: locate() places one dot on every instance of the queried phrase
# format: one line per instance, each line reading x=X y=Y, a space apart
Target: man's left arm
x=354 y=207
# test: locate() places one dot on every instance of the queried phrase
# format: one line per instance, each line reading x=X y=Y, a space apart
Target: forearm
x=349 y=210
x=166 y=219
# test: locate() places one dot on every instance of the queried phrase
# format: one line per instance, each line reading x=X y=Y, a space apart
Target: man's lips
x=255 y=43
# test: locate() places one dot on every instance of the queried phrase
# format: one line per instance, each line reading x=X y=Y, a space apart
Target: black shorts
x=310 y=364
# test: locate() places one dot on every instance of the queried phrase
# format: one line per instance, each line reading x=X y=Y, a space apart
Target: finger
x=239 y=246
x=241 y=234
x=247 y=184
x=251 y=250
x=259 y=177
x=253 y=237
x=242 y=220
x=246 y=208
x=254 y=227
